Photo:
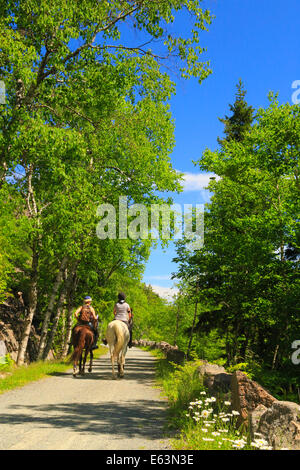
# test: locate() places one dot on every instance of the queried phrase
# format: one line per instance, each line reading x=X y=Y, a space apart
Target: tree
x=239 y=123
x=86 y=121
x=249 y=285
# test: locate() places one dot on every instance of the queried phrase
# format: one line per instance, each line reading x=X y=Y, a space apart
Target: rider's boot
x=130 y=340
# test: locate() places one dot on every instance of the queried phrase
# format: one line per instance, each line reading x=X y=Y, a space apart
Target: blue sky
x=256 y=40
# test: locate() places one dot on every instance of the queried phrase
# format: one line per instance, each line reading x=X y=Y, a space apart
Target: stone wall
x=276 y=421
x=173 y=354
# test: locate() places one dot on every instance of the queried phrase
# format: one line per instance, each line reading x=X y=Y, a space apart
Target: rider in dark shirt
x=92 y=321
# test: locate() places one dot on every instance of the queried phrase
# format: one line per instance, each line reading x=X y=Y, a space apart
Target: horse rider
x=86 y=315
x=123 y=312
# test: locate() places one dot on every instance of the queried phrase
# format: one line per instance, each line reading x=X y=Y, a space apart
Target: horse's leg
x=121 y=364
x=84 y=360
x=75 y=370
x=113 y=357
x=122 y=360
x=91 y=360
x=75 y=361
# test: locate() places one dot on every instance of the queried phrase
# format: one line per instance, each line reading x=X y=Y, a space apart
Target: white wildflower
x=205 y=413
x=239 y=444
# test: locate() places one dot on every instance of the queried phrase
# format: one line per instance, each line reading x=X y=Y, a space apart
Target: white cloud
x=165 y=292
x=159 y=278
x=197 y=181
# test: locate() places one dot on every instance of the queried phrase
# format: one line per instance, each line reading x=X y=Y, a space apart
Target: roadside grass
x=15 y=377
x=196 y=420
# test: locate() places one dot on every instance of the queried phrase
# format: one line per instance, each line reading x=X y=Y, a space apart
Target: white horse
x=117 y=336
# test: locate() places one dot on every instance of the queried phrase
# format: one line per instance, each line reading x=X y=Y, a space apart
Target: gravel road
x=90 y=412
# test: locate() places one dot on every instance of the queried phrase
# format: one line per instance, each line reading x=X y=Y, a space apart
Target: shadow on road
x=141 y=372
x=141 y=418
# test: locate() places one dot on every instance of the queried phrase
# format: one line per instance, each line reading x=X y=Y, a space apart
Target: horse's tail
x=119 y=332
x=78 y=342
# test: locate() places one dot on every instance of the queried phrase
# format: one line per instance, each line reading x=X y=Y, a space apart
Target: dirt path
x=90 y=412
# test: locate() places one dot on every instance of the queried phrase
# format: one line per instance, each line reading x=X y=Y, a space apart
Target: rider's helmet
x=121 y=296
x=87 y=299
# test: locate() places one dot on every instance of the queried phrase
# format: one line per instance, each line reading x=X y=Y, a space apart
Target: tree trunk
x=69 y=319
x=177 y=326
x=33 y=295
x=193 y=326
x=52 y=332
x=33 y=291
x=59 y=309
x=275 y=356
x=68 y=332
x=50 y=308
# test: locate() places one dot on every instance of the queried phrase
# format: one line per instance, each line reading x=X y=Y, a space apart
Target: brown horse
x=82 y=339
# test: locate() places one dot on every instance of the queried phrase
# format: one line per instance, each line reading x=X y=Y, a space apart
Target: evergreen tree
x=241 y=119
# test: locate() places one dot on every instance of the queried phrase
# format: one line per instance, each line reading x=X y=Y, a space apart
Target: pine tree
x=241 y=119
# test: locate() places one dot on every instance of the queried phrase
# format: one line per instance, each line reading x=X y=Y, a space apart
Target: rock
x=51 y=355
x=254 y=418
x=7 y=335
x=163 y=346
x=215 y=378
x=174 y=355
x=3 y=350
x=246 y=395
x=12 y=326
x=172 y=352
x=280 y=425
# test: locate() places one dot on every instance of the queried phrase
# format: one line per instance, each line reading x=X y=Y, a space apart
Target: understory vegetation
x=197 y=421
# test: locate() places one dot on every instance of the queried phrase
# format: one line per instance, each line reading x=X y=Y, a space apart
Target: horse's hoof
x=90 y=370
